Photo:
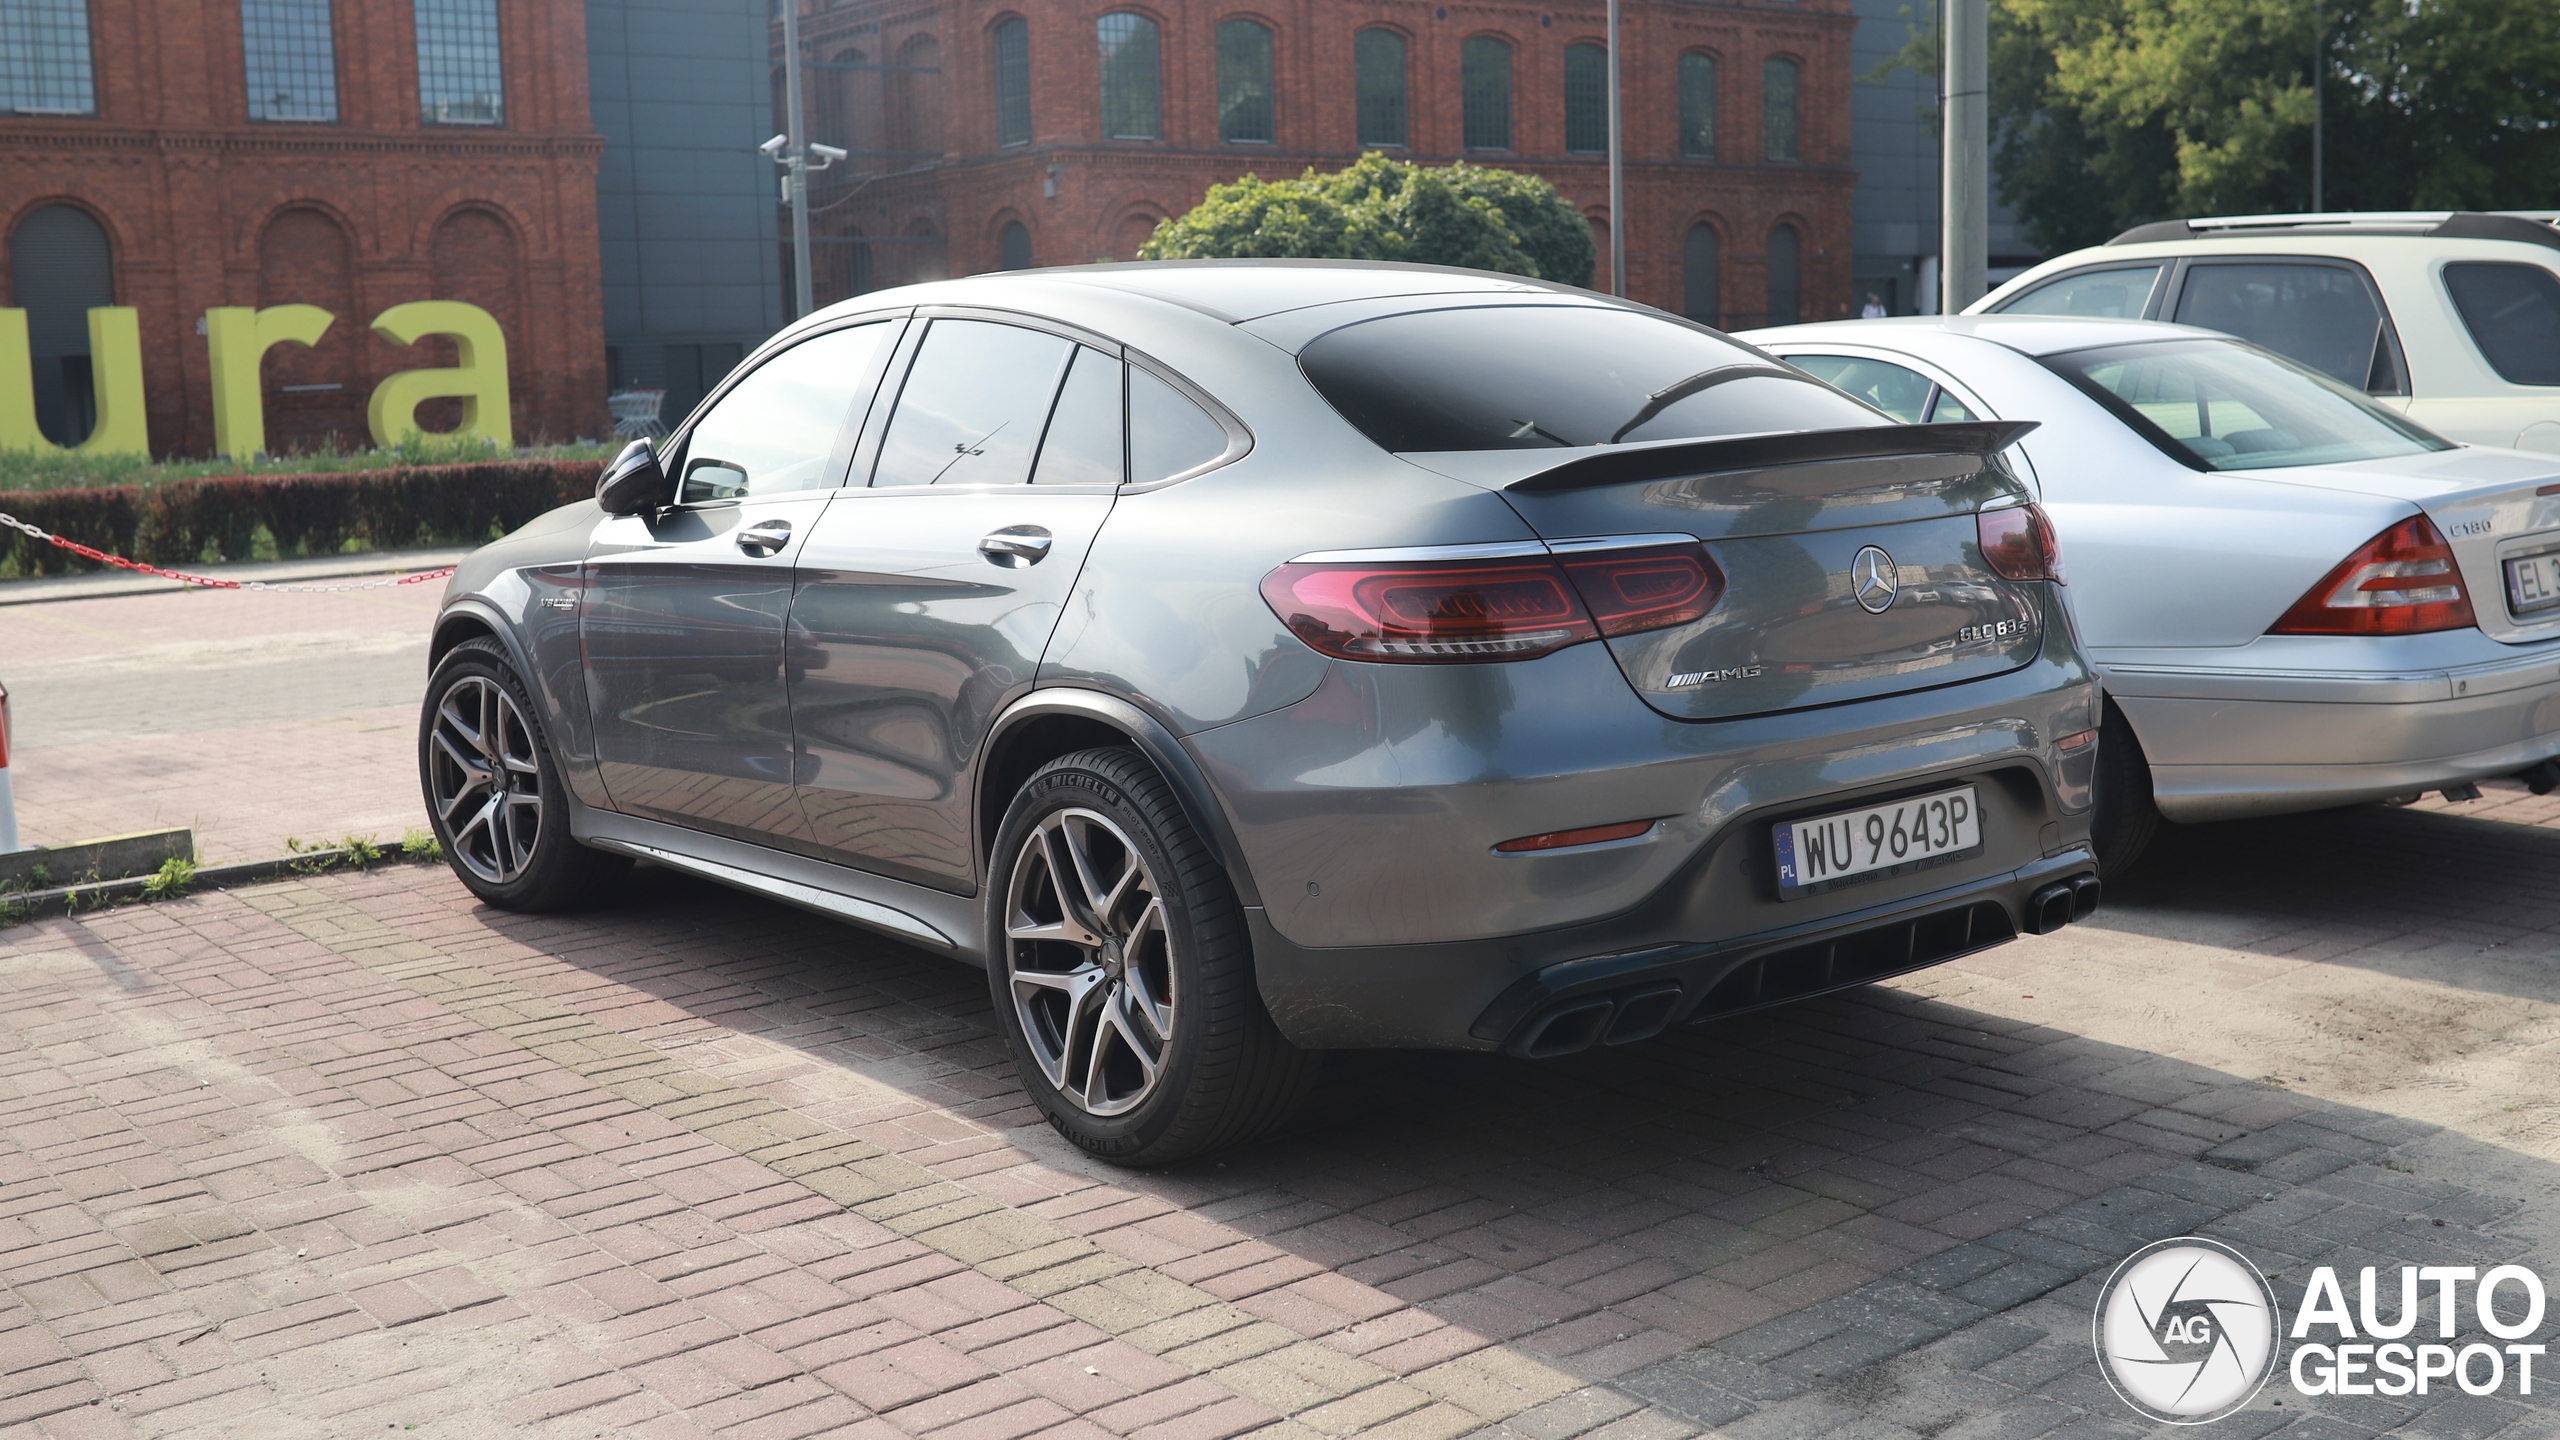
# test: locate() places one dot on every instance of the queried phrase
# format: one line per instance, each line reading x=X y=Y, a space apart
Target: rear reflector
x=2018 y=543
x=1466 y=610
x=1589 y=835
x=2069 y=743
x=2401 y=582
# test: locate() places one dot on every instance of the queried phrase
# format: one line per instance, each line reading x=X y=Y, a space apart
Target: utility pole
x=2319 y=117
x=795 y=159
x=1964 y=120
x=1617 y=171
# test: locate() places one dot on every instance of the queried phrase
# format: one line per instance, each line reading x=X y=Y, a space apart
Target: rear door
x=926 y=599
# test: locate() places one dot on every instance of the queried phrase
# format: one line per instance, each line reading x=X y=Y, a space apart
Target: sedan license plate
x=1812 y=854
x=2533 y=582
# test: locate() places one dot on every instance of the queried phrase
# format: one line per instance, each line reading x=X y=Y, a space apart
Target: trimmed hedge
x=193 y=522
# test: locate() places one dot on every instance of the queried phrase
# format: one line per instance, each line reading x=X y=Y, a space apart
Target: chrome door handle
x=764 y=537
x=1016 y=546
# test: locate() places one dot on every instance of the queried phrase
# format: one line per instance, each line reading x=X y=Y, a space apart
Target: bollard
x=8 y=805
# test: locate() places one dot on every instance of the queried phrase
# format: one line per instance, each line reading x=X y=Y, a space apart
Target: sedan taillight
x=2401 y=582
x=2018 y=543
x=1467 y=610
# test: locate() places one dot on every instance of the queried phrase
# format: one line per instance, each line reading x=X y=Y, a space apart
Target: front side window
x=292 y=60
x=2221 y=405
x=460 y=81
x=2513 y=314
x=1538 y=377
x=1244 y=83
x=1698 y=106
x=1013 y=81
x=1132 y=78
x=1778 y=111
x=2118 y=294
x=2321 y=315
x=973 y=407
x=1586 y=99
x=44 y=58
x=1377 y=62
x=776 y=430
x=1484 y=84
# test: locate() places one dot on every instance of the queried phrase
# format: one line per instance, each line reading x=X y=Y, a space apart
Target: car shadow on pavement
x=1878 y=1205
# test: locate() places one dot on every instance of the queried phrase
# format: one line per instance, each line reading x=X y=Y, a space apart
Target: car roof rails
x=2530 y=227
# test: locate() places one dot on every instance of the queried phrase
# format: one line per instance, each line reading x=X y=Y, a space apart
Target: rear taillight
x=2018 y=543
x=2401 y=582
x=1461 y=610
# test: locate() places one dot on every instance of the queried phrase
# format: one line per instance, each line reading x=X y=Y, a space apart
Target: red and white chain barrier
x=206 y=581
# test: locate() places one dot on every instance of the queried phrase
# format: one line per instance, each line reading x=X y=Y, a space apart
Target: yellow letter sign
x=115 y=369
x=239 y=338
x=479 y=382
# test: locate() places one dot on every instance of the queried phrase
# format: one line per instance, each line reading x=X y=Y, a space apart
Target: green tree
x=1382 y=209
x=2109 y=113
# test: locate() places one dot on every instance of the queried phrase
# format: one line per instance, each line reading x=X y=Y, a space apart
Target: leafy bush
x=1382 y=209
x=30 y=470
x=240 y=517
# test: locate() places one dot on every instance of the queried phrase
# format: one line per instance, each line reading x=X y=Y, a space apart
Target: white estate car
x=2298 y=598
x=2452 y=318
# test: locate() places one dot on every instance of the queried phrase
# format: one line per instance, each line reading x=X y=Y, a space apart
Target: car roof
x=1241 y=290
x=2026 y=334
x=2530 y=227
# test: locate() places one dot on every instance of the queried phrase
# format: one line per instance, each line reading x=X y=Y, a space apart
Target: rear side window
x=973 y=406
x=2321 y=315
x=2513 y=314
x=1083 y=444
x=1167 y=433
x=1900 y=393
x=1537 y=377
x=2119 y=294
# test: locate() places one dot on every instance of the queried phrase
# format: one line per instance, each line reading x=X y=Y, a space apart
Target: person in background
x=1874 y=309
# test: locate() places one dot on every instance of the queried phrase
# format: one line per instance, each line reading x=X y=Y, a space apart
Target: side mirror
x=633 y=482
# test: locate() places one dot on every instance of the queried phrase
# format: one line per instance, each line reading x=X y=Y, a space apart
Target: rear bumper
x=2225 y=744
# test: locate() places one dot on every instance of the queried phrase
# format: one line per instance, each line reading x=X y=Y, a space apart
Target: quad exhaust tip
x=2062 y=903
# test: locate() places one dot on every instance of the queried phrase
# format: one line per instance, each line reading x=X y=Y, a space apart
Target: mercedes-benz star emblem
x=1874 y=579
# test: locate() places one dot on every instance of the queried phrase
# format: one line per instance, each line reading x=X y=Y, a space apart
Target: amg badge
x=1709 y=677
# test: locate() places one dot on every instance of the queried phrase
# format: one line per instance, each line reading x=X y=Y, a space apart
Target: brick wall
x=203 y=207
x=1110 y=193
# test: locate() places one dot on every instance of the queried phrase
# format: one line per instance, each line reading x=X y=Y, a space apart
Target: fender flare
x=487 y=615
x=1191 y=788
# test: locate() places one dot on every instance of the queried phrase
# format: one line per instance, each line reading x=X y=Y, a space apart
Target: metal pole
x=8 y=802
x=1964 y=117
x=795 y=159
x=2319 y=64
x=1617 y=171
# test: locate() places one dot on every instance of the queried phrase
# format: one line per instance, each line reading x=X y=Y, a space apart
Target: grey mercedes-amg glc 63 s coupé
x=1241 y=660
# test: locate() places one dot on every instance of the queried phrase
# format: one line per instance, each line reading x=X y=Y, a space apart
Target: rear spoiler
x=1633 y=466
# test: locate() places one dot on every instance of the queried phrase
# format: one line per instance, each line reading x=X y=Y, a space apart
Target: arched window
x=1698 y=106
x=1484 y=85
x=47 y=72
x=839 y=92
x=315 y=396
x=1786 y=276
x=1013 y=246
x=1377 y=62
x=1702 y=275
x=473 y=258
x=1132 y=78
x=1244 y=83
x=1778 y=110
x=1586 y=99
x=915 y=103
x=1013 y=81
x=59 y=269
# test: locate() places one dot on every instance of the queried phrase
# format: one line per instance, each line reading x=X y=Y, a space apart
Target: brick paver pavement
x=250 y=717
x=346 y=1154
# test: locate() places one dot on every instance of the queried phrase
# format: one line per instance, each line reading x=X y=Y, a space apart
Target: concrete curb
x=106 y=894
x=96 y=861
x=104 y=583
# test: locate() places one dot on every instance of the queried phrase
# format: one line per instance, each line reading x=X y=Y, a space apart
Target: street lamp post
x=1964 y=120
x=795 y=159
x=1617 y=171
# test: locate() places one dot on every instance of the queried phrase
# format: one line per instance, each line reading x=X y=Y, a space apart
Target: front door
x=684 y=609
x=926 y=600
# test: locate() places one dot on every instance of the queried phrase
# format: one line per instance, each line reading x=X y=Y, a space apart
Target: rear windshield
x=1532 y=377
x=2224 y=405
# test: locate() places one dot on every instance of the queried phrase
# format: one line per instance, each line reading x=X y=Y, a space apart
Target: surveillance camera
x=828 y=154
x=775 y=145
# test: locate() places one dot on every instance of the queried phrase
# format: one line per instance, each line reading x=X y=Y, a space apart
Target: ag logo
x=1874 y=580
x=2186 y=1330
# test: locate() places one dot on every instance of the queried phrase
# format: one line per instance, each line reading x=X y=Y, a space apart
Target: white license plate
x=1880 y=837
x=2533 y=582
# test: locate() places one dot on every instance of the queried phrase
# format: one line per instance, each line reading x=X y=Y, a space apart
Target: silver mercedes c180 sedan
x=2297 y=598
x=1240 y=660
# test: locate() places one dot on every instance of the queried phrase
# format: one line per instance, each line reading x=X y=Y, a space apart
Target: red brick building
x=991 y=133
x=176 y=155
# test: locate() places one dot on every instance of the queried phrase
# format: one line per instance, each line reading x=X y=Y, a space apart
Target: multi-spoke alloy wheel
x=1090 y=962
x=484 y=777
